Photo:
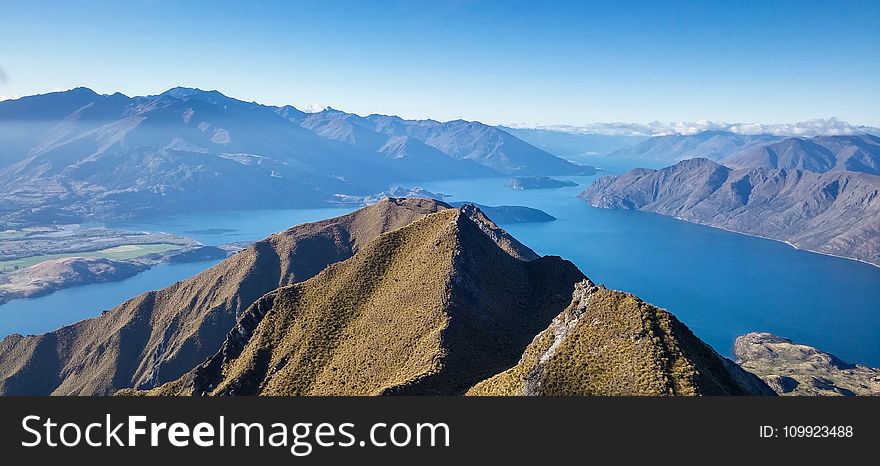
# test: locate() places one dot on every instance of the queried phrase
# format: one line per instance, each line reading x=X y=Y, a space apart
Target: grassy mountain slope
x=160 y=335
x=795 y=369
x=431 y=308
x=611 y=343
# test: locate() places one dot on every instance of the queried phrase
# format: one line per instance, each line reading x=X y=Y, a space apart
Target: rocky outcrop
x=796 y=369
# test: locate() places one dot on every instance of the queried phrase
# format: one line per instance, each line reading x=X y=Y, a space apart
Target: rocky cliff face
x=611 y=343
x=794 y=369
x=835 y=213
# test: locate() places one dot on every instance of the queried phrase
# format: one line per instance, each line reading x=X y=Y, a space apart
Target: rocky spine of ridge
x=611 y=343
x=160 y=335
x=431 y=308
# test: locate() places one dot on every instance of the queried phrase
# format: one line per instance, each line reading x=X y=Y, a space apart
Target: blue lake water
x=720 y=284
x=40 y=315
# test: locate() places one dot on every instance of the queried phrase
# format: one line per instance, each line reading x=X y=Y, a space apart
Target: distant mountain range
x=859 y=153
x=407 y=296
x=819 y=154
x=833 y=212
x=713 y=145
x=73 y=155
x=570 y=144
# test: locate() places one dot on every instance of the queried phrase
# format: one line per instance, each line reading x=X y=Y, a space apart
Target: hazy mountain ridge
x=859 y=153
x=713 y=145
x=835 y=212
x=819 y=154
x=409 y=152
x=73 y=155
x=470 y=142
x=486 y=145
x=567 y=144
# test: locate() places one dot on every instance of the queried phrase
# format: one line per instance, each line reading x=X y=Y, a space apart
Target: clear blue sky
x=541 y=62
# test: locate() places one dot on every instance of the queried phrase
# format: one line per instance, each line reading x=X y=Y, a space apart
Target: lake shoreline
x=794 y=246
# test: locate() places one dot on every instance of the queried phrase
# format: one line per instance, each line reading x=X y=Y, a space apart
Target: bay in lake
x=720 y=284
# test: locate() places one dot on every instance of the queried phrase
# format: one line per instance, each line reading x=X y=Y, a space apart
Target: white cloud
x=817 y=127
x=314 y=108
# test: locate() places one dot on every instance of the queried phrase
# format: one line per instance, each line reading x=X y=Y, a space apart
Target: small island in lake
x=510 y=213
x=538 y=182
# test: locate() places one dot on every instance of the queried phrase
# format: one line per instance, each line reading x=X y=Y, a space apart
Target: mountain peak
x=82 y=91
x=181 y=92
x=439 y=303
x=695 y=163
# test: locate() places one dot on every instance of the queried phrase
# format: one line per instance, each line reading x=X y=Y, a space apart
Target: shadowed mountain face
x=160 y=335
x=835 y=212
x=72 y=155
